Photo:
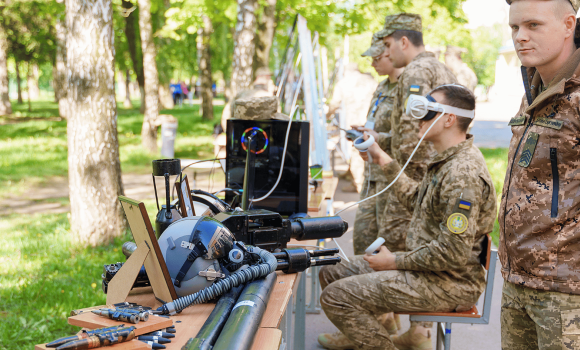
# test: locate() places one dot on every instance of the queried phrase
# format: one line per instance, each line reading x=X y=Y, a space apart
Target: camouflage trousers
x=357 y=169
x=536 y=319
x=372 y=221
x=353 y=293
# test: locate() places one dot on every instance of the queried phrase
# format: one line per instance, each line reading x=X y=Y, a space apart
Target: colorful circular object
x=457 y=223
x=255 y=131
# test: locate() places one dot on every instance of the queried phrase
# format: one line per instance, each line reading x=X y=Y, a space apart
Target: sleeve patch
x=415 y=89
x=465 y=205
x=457 y=223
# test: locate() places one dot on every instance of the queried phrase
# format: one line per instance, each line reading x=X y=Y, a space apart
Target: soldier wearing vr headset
x=454 y=207
x=539 y=245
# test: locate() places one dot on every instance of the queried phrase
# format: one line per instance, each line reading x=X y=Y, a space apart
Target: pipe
x=240 y=330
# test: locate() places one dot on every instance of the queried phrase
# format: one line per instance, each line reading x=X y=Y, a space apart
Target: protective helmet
x=191 y=248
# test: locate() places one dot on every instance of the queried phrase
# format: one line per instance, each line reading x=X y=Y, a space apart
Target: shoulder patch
x=415 y=89
x=457 y=223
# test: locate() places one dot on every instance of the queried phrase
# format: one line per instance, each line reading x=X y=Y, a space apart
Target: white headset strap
x=438 y=107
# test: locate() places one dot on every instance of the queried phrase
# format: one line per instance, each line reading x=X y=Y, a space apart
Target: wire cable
x=401 y=172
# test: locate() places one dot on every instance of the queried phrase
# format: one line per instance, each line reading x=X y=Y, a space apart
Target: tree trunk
x=33 y=75
x=28 y=86
x=5 y=106
x=265 y=35
x=149 y=129
x=18 y=81
x=127 y=103
x=243 y=46
x=135 y=49
x=203 y=47
x=93 y=147
x=59 y=73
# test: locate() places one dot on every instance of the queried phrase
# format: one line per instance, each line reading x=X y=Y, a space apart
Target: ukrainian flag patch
x=465 y=205
x=415 y=89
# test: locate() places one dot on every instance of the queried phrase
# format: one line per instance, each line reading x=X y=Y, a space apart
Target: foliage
x=496 y=160
x=484 y=52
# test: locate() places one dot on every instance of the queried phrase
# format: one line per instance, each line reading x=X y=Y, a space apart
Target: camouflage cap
x=400 y=21
x=376 y=49
x=575 y=4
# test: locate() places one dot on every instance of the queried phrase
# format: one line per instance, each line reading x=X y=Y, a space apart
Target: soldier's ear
x=450 y=120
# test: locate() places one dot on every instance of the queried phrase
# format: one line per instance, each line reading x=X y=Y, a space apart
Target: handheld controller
x=352 y=135
x=375 y=246
x=363 y=145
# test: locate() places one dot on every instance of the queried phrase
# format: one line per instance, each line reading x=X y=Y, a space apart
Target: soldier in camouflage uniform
x=540 y=208
x=367 y=224
x=454 y=208
x=465 y=76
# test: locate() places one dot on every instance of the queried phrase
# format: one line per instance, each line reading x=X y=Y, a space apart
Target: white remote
x=374 y=248
x=363 y=145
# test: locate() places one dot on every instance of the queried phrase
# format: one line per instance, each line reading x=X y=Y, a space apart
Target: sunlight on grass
x=496 y=160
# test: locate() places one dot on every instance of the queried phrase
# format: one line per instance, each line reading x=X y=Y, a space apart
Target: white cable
x=294 y=108
x=401 y=172
x=340 y=249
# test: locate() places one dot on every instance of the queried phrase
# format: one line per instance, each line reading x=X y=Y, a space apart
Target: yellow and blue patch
x=465 y=205
x=415 y=89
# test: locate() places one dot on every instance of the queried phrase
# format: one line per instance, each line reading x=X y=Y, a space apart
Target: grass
x=33 y=145
x=45 y=274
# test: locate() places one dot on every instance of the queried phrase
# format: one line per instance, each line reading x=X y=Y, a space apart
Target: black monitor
x=291 y=194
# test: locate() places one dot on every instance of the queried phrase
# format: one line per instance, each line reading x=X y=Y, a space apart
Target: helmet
x=191 y=248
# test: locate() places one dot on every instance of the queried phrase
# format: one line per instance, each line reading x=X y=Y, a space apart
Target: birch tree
x=93 y=147
x=243 y=46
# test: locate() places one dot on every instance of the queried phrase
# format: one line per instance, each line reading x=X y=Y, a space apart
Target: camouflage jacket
x=384 y=98
x=465 y=76
x=422 y=75
x=453 y=208
x=540 y=206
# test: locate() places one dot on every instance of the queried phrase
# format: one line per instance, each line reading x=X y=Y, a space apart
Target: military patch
x=517 y=120
x=529 y=148
x=549 y=123
x=457 y=223
x=415 y=89
x=465 y=205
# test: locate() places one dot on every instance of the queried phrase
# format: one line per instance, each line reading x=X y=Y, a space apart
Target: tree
x=134 y=46
x=5 y=106
x=59 y=82
x=265 y=35
x=149 y=129
x=93 y=147
x=243 y=46
x=203 y=37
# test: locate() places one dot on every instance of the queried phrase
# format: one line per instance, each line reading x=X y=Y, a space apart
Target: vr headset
x=426 y=108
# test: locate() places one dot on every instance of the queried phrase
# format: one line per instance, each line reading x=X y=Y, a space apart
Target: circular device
x=376 y=245
x=363 y=145
x=261 y=139
x=197 y=232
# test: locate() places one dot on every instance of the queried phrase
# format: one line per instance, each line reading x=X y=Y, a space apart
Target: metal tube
x=242 y=325
x=211 y=329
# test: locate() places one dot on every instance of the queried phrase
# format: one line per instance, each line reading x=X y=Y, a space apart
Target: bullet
x=153 y=345
x=154 y=339
x=161 y=334
x=143 y=315
x=83 y=335
x=118 y=316
x=101 y=339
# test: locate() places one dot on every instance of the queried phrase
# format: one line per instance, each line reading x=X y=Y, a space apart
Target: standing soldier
x=539 y=213
x=369 y=216
x=465 y=76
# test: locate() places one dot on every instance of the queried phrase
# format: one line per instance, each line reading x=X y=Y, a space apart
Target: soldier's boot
x=416 y=338
x=335 y=341
x=389 y=322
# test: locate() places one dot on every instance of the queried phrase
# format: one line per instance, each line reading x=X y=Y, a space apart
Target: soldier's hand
x=379 y=156
x=369 y=132
x=384 y=260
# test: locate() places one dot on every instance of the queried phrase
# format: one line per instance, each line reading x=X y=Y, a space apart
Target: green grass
x=496 y=160
x=44 y=276
x=33 y=145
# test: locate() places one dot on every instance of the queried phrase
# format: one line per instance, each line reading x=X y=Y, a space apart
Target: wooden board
x=143 y=234
x=184 y=196
x=119 y=287
x=130 y=345
x=91 y=321
x=267 y=339
x=326 y=191
x=187 y=323
x=279 y=298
